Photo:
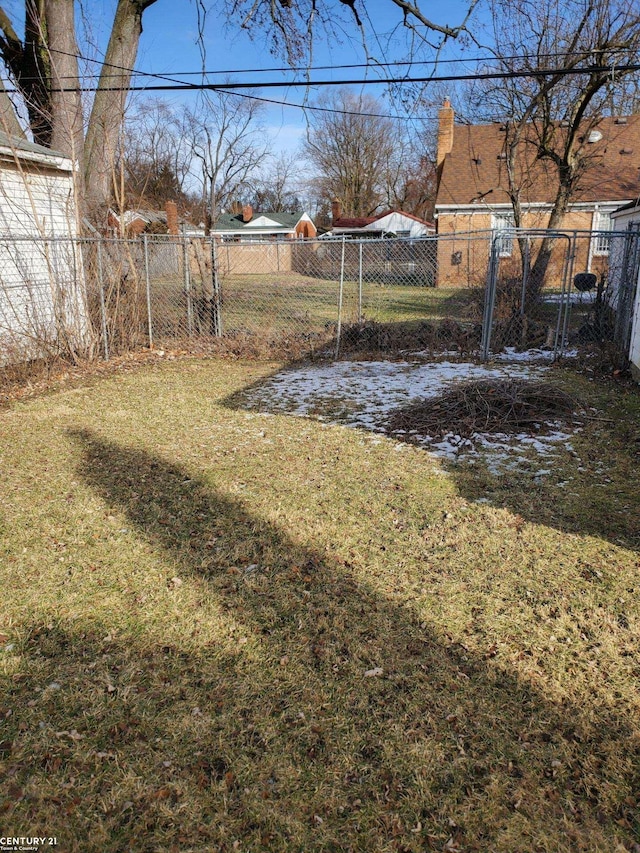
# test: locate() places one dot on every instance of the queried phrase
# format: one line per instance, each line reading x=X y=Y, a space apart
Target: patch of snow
x=531 y=355
x=585 y=297
x=363 y=395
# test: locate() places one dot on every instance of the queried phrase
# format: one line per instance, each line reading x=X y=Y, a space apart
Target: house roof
x=15 y=146
x=148 y=216
x=474 y=172
x=282 y=222
x=357 y=222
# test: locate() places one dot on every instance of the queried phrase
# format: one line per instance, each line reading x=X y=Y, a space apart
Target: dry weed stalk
x=490 y=405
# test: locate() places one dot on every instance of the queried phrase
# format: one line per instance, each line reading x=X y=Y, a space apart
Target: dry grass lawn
x=227 y=631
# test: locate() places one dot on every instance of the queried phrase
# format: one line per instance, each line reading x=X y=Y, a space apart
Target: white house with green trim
x=250 y=227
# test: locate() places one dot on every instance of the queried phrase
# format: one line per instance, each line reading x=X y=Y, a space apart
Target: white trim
x=600 y=242
x=243 y=232
x=535 y=205
x=503 y=227
x=63 y=163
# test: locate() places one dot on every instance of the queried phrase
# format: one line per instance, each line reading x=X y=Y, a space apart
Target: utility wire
x=366 y=65
x=441 y=78
x=444 y=78
x=323 y=109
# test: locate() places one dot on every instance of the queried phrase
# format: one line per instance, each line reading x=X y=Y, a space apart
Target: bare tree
x=154 y=160
x=43 y=66
x=292 y=25
x=359 y=155
x=549 y=116
x=227 y=146
x=276 y=190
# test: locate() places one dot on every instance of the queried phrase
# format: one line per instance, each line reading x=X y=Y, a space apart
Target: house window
x=601 y=240
x=503 y=225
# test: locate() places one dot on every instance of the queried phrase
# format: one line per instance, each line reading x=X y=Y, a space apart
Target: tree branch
x=411 y=10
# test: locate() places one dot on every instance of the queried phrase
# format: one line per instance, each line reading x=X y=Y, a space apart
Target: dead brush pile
x=487 y=406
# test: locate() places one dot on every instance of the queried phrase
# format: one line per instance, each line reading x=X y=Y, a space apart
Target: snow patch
x=363 y=395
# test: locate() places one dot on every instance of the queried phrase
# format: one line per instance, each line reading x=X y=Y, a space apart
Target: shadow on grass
x=283 y=742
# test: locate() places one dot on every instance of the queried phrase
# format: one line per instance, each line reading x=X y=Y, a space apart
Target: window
x=600 y=241
x=503 y=225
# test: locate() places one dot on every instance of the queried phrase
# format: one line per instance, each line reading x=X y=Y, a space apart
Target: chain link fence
x=470 y=292
x=560 y=289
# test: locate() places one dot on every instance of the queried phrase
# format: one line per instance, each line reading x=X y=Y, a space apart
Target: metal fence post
x=340 y=295
x=148 y=282
x=526 y=263
x=560 y=342
x=360 y=317
x=489 y=298
x=217 y=295
x=103 y=309
x=187 y=285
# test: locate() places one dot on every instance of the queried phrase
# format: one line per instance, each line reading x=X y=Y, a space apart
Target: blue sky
x=168 y=46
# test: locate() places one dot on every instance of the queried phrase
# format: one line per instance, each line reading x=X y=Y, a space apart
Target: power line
x=441 y=78
x=322 y=109
x=367 y=65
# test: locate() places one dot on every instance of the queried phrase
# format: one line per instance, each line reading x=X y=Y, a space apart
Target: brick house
x=246 y=226
x=133 y=223
x=472 y=193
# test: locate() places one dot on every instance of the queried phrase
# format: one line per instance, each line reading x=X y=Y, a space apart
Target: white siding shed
x=42 y=294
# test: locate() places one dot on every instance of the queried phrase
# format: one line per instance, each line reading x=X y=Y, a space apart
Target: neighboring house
x=42 y=293
x=395 y=223
x=250 y=227
x=133 y=223
x=473 y=195
x=625 y=280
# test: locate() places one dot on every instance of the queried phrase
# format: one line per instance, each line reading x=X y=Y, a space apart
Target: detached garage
x=42 y=295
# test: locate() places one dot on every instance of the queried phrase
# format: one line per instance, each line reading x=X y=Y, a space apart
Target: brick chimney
x=247 y=213
x=172 y=217
x=336 y=209
x=445 y=134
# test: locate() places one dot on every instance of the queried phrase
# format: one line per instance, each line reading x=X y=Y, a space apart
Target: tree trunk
x=540 y=266
x=67 y=132
x=107 y=114
x=8 y=120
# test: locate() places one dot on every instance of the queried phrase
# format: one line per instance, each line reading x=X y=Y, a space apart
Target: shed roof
x=14 y=146
x=356 y=222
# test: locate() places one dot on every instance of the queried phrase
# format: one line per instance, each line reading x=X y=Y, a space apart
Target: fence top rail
x=181 y=239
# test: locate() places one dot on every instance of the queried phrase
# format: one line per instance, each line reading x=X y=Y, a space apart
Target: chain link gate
x=528 y=292
x=555 y=290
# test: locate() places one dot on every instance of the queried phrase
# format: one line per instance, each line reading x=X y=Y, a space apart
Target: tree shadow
x=344 y=722
x=589 y=503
